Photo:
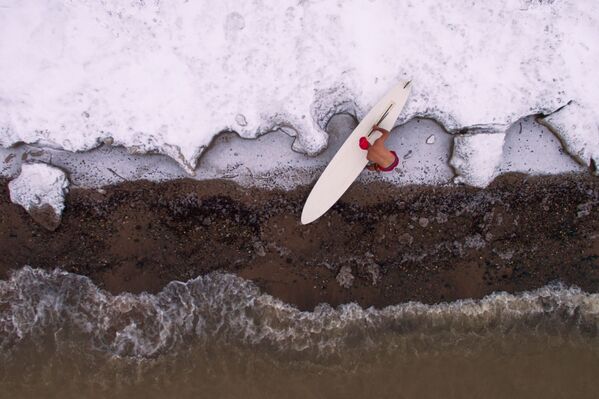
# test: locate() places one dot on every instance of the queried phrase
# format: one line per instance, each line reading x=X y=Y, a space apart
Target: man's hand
x=378 y=152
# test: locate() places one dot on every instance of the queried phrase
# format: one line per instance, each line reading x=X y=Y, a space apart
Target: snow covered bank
x=168 y=77
x=40 y=189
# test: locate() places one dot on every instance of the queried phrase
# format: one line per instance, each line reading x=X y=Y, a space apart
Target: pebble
x=441 y=217
x=423 y=222
x=259 y=248
x=406 y=239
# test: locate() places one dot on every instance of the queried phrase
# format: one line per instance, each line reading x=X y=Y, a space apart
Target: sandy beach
x=380 y=245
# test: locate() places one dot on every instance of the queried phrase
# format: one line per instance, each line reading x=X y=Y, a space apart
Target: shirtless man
x=382 y=159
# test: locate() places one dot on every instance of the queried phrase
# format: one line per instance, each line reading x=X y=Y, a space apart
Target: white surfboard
x=350 y=160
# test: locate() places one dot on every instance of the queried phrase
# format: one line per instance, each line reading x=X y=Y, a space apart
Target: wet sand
x=379 y=245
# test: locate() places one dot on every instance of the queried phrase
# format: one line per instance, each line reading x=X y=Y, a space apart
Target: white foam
x=167 y=77
x=226 y=308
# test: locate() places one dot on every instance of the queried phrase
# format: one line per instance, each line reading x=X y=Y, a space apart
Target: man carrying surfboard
x=382 y=159
x=365 y=143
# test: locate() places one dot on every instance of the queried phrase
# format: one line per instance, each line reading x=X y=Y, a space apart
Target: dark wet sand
x=427 y=244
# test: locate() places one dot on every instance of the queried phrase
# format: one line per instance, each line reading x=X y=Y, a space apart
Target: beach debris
x=40 y=189
x=430 y=139
x=345 y=278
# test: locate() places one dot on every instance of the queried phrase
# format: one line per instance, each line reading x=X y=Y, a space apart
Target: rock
x=406 y=239
x=45 y=216
x=40 y=189
x=441 y=217
x=259 y=248
x=345 y=278
x=423 y=222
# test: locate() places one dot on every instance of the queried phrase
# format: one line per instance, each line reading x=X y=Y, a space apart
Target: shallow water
x=219 y=336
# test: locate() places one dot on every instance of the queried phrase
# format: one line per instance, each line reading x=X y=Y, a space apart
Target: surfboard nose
x=308 y=216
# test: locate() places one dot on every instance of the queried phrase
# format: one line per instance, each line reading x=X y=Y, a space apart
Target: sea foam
x=221 y=307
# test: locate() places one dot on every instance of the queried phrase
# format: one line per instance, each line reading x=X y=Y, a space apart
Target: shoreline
x=380 y=245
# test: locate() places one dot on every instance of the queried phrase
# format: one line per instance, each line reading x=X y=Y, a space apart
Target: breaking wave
x=225 y=309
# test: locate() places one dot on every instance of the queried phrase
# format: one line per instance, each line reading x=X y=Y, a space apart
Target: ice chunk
x=40 y=189
x=579 y=132
x=476 y=157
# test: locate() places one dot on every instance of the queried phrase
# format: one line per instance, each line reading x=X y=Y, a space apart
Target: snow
x=38 y=187
x=579 y=131
x=476 y=157
x=167 y=77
